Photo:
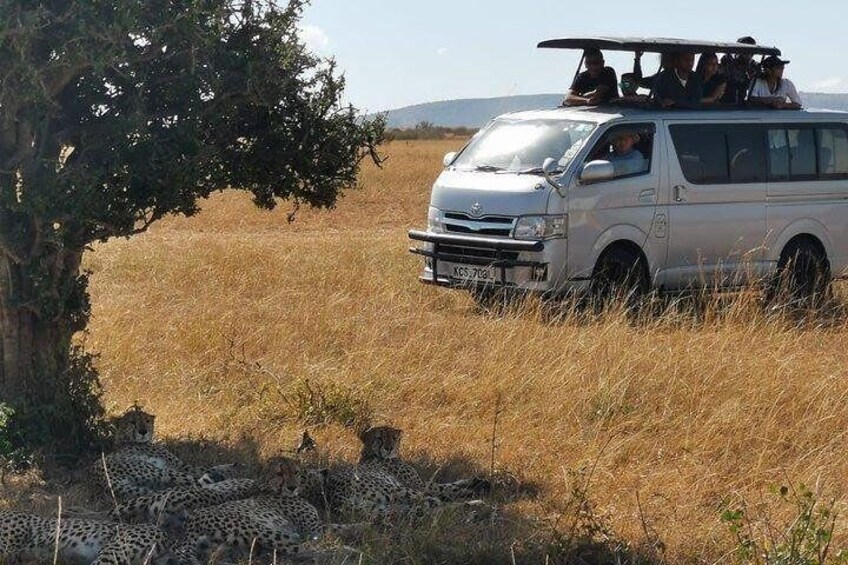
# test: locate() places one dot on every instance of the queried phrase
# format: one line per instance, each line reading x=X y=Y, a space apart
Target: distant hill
x=475 y=112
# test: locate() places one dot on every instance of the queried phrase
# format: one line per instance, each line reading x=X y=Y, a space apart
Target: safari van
x=726 y=198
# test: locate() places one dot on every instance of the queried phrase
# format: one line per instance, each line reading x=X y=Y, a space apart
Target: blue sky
x=400 y=52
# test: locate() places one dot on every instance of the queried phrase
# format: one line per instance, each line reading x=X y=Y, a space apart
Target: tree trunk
x=36 y=379
x=34 y=354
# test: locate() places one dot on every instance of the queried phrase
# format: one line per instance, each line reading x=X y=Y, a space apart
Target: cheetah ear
x=306 y=443
x=363 y=431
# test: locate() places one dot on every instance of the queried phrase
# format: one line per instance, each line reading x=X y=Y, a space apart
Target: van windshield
x=522 y=146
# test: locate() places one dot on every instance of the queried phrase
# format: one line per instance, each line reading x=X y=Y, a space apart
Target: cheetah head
x=283 y=475
x=381 y=442
x=134 y=426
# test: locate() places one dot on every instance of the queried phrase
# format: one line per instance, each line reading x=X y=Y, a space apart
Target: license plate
x=472 y=273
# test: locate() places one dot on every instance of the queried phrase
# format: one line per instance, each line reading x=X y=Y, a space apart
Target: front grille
x=484 y=219
x=452 y=228
x=477 y=253
x=498 y=226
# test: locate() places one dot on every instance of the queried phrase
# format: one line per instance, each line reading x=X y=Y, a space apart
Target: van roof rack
x=656 y=45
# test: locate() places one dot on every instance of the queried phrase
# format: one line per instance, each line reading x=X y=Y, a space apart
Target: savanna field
x=239 y=329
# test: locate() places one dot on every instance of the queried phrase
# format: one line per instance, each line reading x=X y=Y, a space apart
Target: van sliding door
x=717 y=205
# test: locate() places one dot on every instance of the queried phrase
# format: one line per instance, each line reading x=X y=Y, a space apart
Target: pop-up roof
x=656 y=45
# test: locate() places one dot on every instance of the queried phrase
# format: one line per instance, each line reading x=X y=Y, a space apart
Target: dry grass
x=215 y=321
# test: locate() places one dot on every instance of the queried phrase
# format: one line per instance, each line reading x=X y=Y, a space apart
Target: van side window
x=702 y=151
x=792 y=154
x=731 y=154
x=747 y=154
x=833 y=152
x=633 y=162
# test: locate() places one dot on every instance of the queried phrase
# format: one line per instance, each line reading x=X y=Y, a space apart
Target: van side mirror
x=449 y=159
x=597 y=171
x=550 y=166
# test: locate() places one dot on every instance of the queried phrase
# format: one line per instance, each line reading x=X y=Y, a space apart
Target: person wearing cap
x=624 y=156
x=739 y=70
x=596 y=85
x=771 y=89
x=679 y=86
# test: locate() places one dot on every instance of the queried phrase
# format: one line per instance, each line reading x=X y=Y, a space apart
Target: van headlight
x=541 y=227
x=435 y=220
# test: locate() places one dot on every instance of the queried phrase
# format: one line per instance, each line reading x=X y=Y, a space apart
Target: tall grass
x=214 y=322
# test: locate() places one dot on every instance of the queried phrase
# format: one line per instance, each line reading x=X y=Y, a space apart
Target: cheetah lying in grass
x=28 y=536
x=380 y=446
x=168 y=508
x=139 y=467
x=278 y=520
x=382 y=483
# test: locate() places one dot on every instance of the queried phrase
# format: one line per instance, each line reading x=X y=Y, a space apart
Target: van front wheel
x=621 y=275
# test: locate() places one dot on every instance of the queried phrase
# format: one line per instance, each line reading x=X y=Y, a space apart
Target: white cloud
x=315 y=38
x=442 y=51
x=833 y=84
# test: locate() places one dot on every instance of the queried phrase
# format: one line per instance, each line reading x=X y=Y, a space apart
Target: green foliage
x=315 y=405
x=12 y=457
x=804 y=540
x=69 y=425
x=117 y=113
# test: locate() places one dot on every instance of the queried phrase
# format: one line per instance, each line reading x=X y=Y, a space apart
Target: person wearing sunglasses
x=596 y=85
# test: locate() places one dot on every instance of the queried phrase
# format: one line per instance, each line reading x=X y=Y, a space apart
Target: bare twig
x=495 y=433
x=652 y=538
x=58 y=533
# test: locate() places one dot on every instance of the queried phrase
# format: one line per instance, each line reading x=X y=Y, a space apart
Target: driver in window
x=624 y=156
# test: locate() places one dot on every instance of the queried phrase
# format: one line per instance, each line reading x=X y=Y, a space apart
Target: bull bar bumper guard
x=499 y=246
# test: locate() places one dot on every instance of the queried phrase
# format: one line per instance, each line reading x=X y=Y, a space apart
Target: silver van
x=723 y=198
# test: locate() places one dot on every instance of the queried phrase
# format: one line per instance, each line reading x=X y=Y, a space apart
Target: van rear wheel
x=621 y=276
x=803 y=275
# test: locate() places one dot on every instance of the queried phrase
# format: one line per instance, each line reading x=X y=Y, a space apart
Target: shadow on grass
x=501 y=529
x=497 y=531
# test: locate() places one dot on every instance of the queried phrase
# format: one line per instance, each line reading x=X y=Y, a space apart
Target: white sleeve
x=760 y=89
x=792 y=93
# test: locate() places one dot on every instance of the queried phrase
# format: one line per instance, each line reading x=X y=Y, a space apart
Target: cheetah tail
x=77 y=512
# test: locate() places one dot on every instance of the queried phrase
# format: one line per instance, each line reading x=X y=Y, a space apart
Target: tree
x=117 y=113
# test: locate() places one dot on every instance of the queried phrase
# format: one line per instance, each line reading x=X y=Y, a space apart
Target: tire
x=803 y=275
x=621 y=276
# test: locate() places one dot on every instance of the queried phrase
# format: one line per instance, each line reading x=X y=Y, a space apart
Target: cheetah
x=278 y=520
x=168 y=508
x=73 y=541
x=382 y=484
x=380 y=446
x=140 y=467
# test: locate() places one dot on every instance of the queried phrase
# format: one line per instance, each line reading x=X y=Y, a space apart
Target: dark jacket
x=669 y=87
x=584 y=83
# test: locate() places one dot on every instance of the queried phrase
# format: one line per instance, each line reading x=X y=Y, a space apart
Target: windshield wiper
x=537 y=171
x=487 y=169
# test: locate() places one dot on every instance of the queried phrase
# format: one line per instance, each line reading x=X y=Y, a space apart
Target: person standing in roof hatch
x=771 y=89
x=739 y=70
x=679 y=86
x=596 y=85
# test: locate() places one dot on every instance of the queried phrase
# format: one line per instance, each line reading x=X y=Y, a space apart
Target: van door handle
x=679 y=193
x=647 y=196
